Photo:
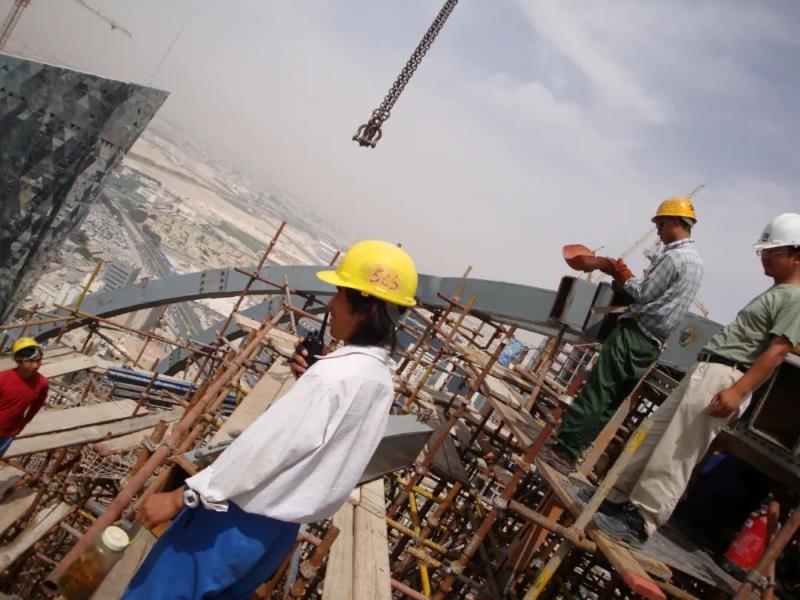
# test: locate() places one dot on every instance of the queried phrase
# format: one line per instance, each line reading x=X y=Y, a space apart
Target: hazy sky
x=530 y=124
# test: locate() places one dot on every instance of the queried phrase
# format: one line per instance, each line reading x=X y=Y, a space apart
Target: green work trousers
x=624 y=358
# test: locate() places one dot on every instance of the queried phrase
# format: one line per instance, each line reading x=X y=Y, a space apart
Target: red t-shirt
x=20 y=400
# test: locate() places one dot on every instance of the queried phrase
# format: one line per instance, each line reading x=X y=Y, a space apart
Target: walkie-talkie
x=314 y=342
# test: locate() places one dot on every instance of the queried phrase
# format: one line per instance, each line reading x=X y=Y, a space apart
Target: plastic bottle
x=86 y=574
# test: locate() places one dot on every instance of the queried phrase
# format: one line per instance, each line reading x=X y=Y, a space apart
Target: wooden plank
x=338 y=583
x=15 y=506
x=553 y=511
x=71 y=364
x=185 y=463
x=627 y=566
x=92 y=433
x=9 y=475
x=494 y=387
x=42 y=522
x=658 y=569
x=605 y=436
x=621 y=560
x=126 y=442
x=60 y=361
x=561 y=488
x=60 y=419
x=524 y=427
x=277 y=381
x=480 y=359
x=282 y=341
x=121 y=573
x=372 y=578
x=51 y=354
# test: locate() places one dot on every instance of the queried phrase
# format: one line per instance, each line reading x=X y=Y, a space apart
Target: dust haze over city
x=176 y=176
x=528 y=126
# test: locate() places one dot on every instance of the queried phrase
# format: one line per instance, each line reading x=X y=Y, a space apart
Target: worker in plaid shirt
x=660 y=302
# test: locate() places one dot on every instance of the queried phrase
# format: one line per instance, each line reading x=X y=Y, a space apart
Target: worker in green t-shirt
x=716 y=390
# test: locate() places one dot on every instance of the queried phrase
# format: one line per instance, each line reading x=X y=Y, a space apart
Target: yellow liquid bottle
x=86 y=574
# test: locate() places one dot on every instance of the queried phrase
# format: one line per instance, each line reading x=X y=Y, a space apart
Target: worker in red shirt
x=23 y=390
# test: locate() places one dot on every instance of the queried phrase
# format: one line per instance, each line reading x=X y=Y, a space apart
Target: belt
x=710 y=357
x=650 y=336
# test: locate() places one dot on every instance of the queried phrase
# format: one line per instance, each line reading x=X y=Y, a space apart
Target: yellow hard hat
x=378 y=269
x=676 y=207
x=24 y=343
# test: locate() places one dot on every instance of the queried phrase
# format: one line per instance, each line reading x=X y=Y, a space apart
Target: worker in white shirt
x=299 y=461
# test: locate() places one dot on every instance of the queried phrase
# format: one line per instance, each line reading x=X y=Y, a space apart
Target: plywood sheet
x=60 y=419
x=91 y=433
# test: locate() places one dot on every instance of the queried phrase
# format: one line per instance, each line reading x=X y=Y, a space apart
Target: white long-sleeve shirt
x=301 y=459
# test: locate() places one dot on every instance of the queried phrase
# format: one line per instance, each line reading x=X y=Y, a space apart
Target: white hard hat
x=784 y=230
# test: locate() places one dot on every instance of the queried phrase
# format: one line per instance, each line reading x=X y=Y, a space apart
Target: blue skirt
x=211 y=554
x=5 y=442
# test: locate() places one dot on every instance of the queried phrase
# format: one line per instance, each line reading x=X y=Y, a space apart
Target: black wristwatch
x=191 y=498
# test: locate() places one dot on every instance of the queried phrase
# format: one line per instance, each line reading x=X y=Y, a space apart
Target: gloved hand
x=620 y=272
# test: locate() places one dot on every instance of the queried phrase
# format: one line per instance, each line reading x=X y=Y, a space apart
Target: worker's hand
x=159 y=508
x=724 y=404
x=299 y=364
x=620 y=272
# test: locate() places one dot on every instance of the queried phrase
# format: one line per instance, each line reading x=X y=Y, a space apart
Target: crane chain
x=369 y=133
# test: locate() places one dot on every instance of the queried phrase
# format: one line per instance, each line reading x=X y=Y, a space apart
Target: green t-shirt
x=774 y=312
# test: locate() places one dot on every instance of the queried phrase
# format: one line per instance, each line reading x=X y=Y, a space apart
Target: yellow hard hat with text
x=676 y=207
x=378 y=269
x=24 y=343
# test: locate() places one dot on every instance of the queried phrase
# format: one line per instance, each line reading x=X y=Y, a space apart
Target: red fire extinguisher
x=750 y=543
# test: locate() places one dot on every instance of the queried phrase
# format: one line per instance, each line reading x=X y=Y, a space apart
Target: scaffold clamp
x=308 y=570
x=456 y=568
x=760 y=581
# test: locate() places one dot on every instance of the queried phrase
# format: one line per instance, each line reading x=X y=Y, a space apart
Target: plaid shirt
x=663 y=297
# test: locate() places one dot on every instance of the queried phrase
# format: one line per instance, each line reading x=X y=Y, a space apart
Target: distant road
x=187 y=321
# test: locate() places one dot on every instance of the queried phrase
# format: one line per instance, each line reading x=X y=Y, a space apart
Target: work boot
x=584 y=494
x=627 y=525
x=558 y=459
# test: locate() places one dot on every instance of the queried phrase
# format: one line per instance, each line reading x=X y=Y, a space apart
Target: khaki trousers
x=659 y=471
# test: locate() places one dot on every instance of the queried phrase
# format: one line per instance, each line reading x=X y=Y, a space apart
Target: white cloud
x=561 y=26
x=562 y=134
x=488 y=160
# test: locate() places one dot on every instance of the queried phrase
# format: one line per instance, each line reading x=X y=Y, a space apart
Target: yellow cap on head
x=28 y=346
x=676 y=207
x=378 y=269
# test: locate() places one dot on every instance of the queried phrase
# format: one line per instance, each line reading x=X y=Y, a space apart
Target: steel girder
x=527 y=307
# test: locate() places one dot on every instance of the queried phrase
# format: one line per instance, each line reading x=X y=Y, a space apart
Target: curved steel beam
x=525 y=306
x=522 y=305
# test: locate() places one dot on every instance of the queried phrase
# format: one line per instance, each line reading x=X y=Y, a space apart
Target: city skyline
x=565 y=123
